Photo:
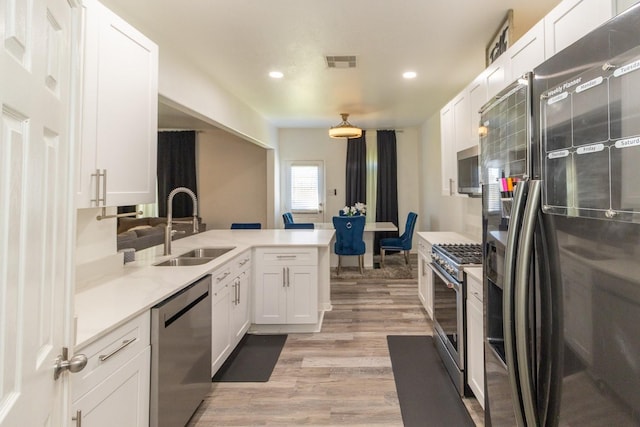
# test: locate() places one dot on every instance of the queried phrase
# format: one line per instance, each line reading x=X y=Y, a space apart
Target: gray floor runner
x=427 y=395
x=252 y=360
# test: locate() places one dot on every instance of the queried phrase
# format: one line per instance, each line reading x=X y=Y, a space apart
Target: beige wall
x=315 y=144
x=232 y=180
x=443 y=213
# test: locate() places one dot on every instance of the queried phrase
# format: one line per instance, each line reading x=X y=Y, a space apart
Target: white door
x=37 y=215
x=305 y=190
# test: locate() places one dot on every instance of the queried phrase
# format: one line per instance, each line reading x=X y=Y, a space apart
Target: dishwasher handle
x=176 y=306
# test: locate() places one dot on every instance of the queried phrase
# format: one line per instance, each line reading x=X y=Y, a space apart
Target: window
x=304 y=187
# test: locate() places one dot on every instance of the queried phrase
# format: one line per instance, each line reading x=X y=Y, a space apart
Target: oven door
x=448 y=311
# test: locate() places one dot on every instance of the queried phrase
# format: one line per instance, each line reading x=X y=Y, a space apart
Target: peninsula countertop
x=130 y=290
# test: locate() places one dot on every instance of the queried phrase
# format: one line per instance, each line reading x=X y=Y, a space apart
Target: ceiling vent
x=344 y=61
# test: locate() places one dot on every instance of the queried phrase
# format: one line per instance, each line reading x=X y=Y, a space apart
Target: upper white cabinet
x=572 y=19
x=527 y=53
x=477 y=98
x=447 y=151
x=119 y=112
x=496 y=75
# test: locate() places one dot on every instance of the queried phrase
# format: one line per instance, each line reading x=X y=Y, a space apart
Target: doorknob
x=63 y=363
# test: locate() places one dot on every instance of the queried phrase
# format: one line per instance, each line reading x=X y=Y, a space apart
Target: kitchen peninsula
x=121 y=295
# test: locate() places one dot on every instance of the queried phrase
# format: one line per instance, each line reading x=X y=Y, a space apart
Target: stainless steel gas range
x=449 y=313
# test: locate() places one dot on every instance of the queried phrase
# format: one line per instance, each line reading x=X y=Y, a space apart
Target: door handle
x=63 y=363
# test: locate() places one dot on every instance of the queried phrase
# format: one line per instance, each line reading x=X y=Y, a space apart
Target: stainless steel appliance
x=180 y=354
x=449 y=311
x=562 y=277
x=469 y=172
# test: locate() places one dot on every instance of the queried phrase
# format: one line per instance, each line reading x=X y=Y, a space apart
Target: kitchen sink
x=206 y=252
x=183 y=261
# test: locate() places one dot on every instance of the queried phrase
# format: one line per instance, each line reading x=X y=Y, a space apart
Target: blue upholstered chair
x=349 y=238
x=299 y=226
x=402 y=243
x=246 y=226
x=287 y=218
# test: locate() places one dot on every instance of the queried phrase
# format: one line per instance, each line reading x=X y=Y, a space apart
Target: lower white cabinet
x=230 y=305
x=286 y=286
x=113 y=389
x=475 y=338
x=425 y=283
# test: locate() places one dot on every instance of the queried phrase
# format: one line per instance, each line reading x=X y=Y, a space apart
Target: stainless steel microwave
x=469 y=172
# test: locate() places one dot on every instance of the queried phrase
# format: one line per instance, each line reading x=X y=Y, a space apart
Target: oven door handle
x=451 y=284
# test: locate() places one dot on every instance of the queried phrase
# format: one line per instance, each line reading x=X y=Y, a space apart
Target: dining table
x=370 y=228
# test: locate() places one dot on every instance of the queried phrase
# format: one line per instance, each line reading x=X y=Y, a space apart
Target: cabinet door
x=477 y=98
x=475 y=356
x=239 y=307
x=302 y=294
x=461 y=117
x=122 y=399
x=220 y=328
x=120 y=112
x=571 y=20
x=496 y=76
x=528 y=52
x=447 y=151
x=270 y=297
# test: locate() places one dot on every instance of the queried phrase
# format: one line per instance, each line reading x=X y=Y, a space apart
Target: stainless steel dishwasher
x=180 y=354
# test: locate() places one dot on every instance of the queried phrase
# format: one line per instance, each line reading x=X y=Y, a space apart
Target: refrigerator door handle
x=521 y=300
x=515 y=223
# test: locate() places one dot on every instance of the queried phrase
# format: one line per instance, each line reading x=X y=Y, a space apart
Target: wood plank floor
x=339 y=377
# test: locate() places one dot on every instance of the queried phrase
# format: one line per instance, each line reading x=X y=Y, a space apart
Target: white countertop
x=127 y=292
x=475 y=272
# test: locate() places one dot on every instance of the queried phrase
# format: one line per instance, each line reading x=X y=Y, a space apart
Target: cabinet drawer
x=242 y=262
x=109 y=353
x=304 y=256
x=221 y=276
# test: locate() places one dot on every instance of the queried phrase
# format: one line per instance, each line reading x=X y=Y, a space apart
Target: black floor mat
x=427 y=395
x=252 y=360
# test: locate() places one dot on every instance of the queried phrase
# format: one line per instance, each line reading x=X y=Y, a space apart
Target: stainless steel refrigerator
x=562 y=245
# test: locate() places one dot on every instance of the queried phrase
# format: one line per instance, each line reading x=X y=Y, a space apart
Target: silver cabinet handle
x=104 y=187
x=104 y=357
x=100 y=175
x=77 y=418
x=284 y=279
x=288 y=278
x=286 y=256
x=220 y=278
x=244 y=261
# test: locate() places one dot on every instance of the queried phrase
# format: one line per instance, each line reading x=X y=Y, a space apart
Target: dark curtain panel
x=176 y=168
x=356 y=180
x=387 y=194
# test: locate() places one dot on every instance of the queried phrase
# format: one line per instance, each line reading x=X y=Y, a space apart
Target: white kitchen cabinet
x=425 y=283
x=497 y=76
x=240 y=294
x=527 y=53
x=447 y=151
x=113 y=389
x=571 y=20
x=475 y=337
x=230 y=305
x=220 y=327
x=119 y=112
x=461 y=118
x=477 y=98
x=286 y=286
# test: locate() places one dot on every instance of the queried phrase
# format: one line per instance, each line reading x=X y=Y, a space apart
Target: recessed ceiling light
x=409 y=75
x=276 y=74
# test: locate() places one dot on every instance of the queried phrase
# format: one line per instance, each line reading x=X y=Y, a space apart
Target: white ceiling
x=239 y=41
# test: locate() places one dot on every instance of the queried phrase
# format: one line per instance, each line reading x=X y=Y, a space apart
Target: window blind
x=304 y=188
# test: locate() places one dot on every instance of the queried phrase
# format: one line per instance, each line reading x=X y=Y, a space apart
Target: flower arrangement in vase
x=357 y=209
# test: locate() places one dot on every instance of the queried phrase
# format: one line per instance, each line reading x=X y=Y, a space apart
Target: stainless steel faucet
x=168 y=231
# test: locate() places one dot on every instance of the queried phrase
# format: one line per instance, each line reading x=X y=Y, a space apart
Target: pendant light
x=345 y=129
